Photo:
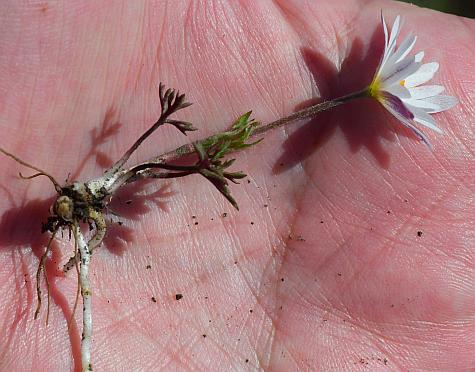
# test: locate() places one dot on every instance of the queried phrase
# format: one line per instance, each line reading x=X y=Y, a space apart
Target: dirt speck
x=148 y=267
x=154 y=299
x=178 y=296
x=419 y=233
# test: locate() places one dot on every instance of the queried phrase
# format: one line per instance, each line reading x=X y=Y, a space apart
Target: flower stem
x=309 y=112
x=299 y=115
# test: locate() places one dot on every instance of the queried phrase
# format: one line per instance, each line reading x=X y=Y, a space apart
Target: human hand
x=322 y=268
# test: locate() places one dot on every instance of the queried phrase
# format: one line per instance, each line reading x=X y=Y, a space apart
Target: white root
x=86 y=294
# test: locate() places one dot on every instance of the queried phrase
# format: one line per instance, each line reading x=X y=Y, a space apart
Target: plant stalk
x=296 y=116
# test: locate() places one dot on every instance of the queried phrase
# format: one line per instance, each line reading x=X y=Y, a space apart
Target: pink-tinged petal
x=409 y=125
x=396 y=104
x=422 y=117
x=426 y=91
x=443 y=102
x=423 y=75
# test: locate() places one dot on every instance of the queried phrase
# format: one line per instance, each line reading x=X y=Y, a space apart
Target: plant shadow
x=363 y=123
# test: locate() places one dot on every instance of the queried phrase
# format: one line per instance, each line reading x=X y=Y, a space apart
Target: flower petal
x=419 y=56
x=396 y=104
x=421 y=116
x=426 y=91
x=385 y=52
x=400 y=71
x=423 y=75
x=421 y=103
x=403 y=50
x=443 y=102
x=391 y=44
x=408 y=124
x=394 y=33
x=399 y=91
x=385 y=28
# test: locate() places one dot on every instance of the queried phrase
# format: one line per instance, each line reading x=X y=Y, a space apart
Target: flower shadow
x=363 y=122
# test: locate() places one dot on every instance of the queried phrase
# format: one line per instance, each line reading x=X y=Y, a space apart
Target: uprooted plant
x=86 y=202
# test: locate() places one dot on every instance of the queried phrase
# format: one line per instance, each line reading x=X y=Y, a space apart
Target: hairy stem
x=299 y=115
x=86 y=293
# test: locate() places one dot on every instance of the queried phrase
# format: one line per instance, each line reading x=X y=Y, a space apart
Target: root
x=86 y=293
x=41 y=266
x=78 y=288
x=40 y=171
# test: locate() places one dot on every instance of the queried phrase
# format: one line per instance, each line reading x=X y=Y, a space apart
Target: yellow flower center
x=374 y=89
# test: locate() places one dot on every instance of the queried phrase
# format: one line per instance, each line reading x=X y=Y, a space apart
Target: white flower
x=397 y=84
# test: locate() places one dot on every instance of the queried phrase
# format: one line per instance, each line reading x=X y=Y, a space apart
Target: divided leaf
x=212 y=150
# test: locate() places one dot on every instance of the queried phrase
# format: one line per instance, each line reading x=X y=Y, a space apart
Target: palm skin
x=353 y=246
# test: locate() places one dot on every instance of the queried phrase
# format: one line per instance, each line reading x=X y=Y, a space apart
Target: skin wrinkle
x=198 y=338
x=185 y=190
x=272 y=59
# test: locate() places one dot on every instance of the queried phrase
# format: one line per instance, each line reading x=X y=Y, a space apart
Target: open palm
x=353 y=246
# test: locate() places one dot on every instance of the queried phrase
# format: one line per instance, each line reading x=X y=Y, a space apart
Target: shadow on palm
x=363 y=122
